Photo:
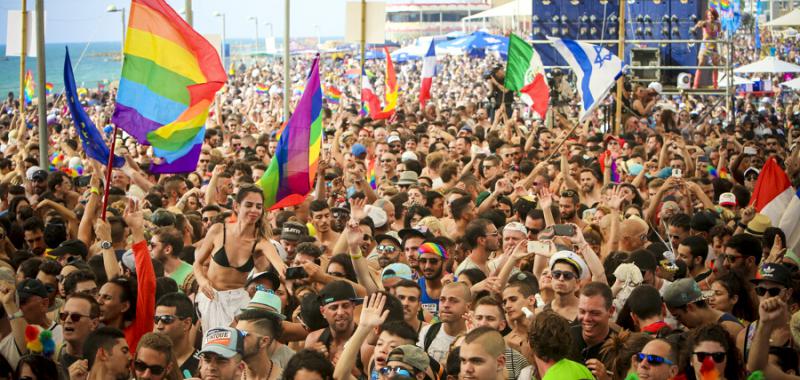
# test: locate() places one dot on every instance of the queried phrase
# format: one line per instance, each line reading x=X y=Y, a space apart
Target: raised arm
x=211 y=189
x=372 y=316
x=145 y=275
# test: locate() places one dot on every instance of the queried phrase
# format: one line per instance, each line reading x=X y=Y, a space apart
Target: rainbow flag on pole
x=169 y=79
x=29 y=87
x=48 y=88
x=290 y=175
x=333 y=95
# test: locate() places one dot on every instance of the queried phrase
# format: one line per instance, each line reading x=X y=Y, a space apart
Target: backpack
x=430 y=335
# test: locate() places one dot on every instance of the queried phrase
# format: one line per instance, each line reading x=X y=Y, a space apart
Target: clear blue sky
x=87 y=20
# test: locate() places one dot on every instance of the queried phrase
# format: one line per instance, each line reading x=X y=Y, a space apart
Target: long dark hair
x=716 y=333
x=42 y=367
x=262 y=232
x=744 y=308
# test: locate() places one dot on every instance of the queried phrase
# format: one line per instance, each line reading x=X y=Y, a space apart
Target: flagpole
x=363 y=44
x=286 y=58
x=109 y=168
x=621 y=54
x=23 y=51
x=40 y=65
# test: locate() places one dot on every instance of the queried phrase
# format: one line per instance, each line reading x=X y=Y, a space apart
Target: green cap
x=268 y=300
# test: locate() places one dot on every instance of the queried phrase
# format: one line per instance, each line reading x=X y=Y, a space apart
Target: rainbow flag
x=29 y=87
x=290 y=175
x=262 y=88
x=169 y=79
x=333 y=95
x=390 y=92
x=371 y=177
x=48 y=88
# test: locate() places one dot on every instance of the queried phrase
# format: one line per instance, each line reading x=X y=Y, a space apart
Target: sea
x=94 y=63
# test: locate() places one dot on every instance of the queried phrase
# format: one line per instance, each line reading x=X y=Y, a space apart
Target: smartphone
x=83 y=181
x=724 y=143
x=296 y=273
x=749 y=150
x=564 y=230
x=677 y=173
x=538 y=248
x=702 y=159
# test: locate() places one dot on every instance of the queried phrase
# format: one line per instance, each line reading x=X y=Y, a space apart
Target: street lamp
x=319 y=36
x=255 y=20
x=113 y=9
x=271 y=32
x=220 y=14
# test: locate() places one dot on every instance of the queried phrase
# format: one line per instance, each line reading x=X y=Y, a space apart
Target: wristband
x=95 y=190
x=356 y=257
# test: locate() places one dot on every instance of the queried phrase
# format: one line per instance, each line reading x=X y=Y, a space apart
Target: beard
x=436 y=274
x=569 y=215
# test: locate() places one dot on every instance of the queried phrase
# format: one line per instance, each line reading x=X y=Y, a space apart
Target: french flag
x=775 y=198
x=428 y=70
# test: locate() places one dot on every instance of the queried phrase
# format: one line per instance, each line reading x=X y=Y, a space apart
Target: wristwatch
x=16 y=315
x=105 y=244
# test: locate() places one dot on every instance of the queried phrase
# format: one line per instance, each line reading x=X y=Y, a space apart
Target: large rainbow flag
x=290 y=175
x=169 y=79
x=29 y=87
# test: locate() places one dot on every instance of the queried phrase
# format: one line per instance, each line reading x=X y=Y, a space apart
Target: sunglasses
x=773 y=292
x=653 y=359
x=730 y=258
x=74 y=317
x=566 y=275
x=166 y=319
x=398 y=371
x=141 y=366
x=386 y=248
x=533 y=231
x=718 y=357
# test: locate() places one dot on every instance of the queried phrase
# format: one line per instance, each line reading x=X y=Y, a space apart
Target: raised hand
x=545 y=198
x=615 y=198
x=772 y=311
x=357 y=208
x=373 y=313
x=133 y=216
x=777 y=251
x=102 y=229
x=353 y=234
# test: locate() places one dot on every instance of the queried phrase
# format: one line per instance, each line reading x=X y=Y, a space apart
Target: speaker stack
x=591 y=20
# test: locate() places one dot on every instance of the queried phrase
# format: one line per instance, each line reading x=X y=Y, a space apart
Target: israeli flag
x=596 y=68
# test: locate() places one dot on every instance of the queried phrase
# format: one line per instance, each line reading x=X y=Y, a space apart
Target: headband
x=433 y=248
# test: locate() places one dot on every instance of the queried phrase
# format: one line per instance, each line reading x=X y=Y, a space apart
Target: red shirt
x=145 y=296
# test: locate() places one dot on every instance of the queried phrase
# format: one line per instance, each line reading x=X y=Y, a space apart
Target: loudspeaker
x=684 y=81
x=646 y=57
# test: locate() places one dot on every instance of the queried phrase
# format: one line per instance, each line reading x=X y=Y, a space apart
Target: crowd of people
x=467 y=239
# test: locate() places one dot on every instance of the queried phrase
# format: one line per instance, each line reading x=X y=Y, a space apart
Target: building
x=408 y=19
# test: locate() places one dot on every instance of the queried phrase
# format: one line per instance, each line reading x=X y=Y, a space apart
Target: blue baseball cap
x=223 y=341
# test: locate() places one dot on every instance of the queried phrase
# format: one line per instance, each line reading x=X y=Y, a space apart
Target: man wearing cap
x=70 y=250
x=267 y=300
x=567 y=270
x=771 y=280
x=686 y=302
x=260 y=327
x=388 y=249
x=337 y=300
x=221 y=354
x=174 y=317
x=32 y=309
x=291 y=233
x=268 y=280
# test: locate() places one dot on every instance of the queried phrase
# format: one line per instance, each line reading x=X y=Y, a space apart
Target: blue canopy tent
x=475 y=44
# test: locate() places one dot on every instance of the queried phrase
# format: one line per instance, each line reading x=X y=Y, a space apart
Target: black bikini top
x=221 y=258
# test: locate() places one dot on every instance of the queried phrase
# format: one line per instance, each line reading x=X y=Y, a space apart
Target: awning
x=511 y=9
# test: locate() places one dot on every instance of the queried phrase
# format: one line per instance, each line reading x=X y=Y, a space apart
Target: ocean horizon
x=94 y=63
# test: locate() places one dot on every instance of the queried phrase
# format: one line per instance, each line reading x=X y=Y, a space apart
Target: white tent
x=790 y=19
x=723 y=80
x=769 y=65
x=794 y=84
x=515 y=8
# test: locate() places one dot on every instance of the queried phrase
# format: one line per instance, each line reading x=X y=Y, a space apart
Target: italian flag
x=525 y=74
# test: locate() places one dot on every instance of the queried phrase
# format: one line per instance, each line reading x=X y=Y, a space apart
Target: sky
x=88 y=21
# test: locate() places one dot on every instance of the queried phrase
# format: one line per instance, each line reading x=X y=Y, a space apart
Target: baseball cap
x=751 y=170
x=269 y=301
x=703 y=221
x=337 y=291
x=777 y=273
x=516 y=226
x=377 y=214
x=163 y=218
x=39 y=175
x=573 y=259
x=268 y=274
x=408 y=155
x=393 y=138
x=71 y=247
x=293 y=231
x=397 y=270
x=417 y=231
x=727 y=200
x=411 y=355
x=391 y=235
x=223 y=341
x=656 y=86
x=358 y=150
x=682 y=292
x=30 y=287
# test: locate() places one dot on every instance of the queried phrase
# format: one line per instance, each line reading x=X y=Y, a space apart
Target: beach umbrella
x=769 y=64
x=794 y=84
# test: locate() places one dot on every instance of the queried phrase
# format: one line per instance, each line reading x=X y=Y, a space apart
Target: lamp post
x=113 y=9
x=255 y=20
x=220 y=14
x=319 y=36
